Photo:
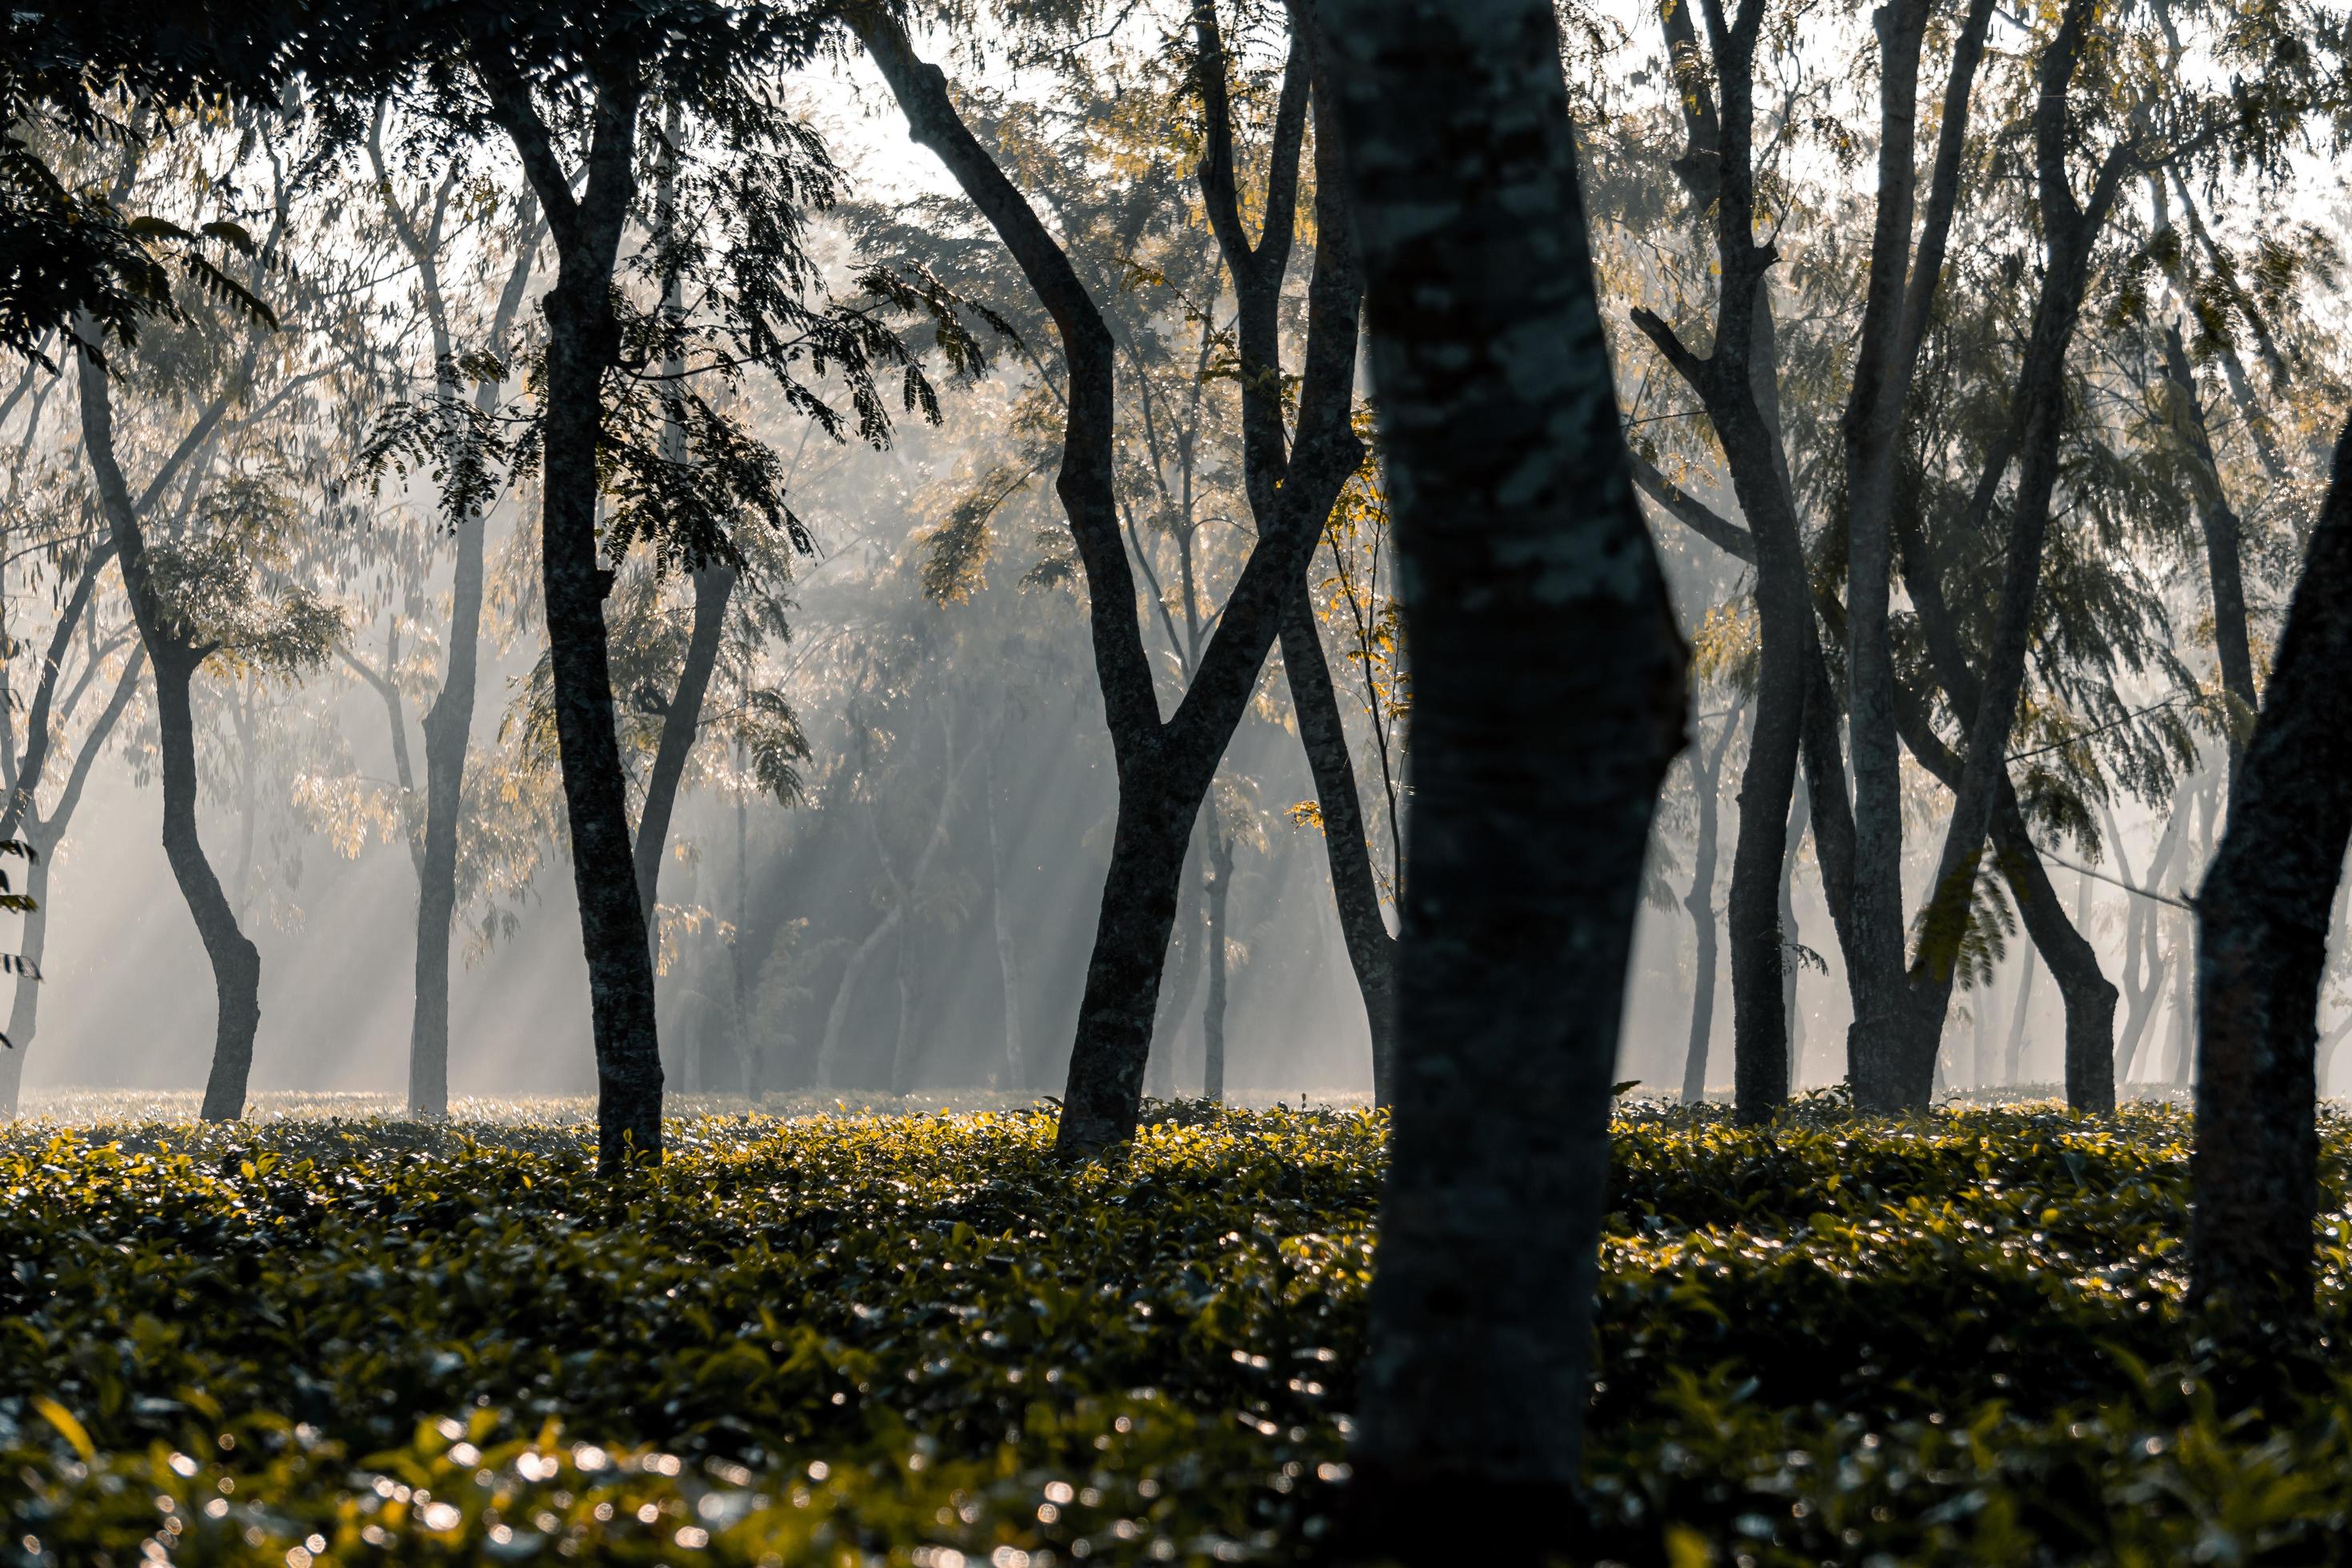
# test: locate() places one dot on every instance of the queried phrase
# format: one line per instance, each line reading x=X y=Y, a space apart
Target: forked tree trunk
x=2263 y=928
x=1165 y=765
x=1549 y=701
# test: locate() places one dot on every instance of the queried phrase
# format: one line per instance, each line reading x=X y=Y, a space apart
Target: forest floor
x=916 y=1340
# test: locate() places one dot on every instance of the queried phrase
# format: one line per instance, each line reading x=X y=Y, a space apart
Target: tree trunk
x=24 y=1009
x=1706 y=778
x=902 y=1042
x=2225 y=571
x=1008 y=965
x=1372 y=951
x=236 y=961
x=2012 y=1059
x=836 y=1018
x=1212 y=1013
x=1548 y=679
x=583 y=339
x=2263 y=928
x=1894 y=1069
x=681 y=724
x=1793 y=1023
x=2088 y=994
x=1165 y=766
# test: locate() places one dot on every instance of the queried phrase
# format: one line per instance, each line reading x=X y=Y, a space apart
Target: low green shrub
x=918 y=1341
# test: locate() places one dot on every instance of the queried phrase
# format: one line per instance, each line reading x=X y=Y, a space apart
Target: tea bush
x=918 y=1341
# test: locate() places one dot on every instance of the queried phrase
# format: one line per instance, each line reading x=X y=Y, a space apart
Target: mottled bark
x=2263 y=927
x=583 y=339
x=1707 y=785
x=1548 y=680
x=1347 y=844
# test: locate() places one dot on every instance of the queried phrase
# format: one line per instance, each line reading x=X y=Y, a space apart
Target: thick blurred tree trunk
x=1549 y=701
x=1792 y=1020
x=2263 y=928
x=582 y=340
x=1707 y=783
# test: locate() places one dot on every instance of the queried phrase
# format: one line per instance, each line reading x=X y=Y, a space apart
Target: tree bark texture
x=1549 y=701
x=2263 y=925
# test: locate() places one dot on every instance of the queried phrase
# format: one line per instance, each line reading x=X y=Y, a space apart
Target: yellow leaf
x=62 y=1419
x=1686 y=1548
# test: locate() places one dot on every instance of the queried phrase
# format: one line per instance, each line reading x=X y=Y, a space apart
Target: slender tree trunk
x=1549 y=687
x=681 y=725
x=2225 y=571
x=1895 y=1070
x=236 y=961
x=25 y=1008
x=1706 y=782
x=2184 y=1006
x=448 y=731
x=1212 y=1013
x=1792 y=1024
x=1165 y=765
x=1008 y=965
x=583 y=339
x=1372 y=951
x=1189 y=943
x=747 y=1049
x=2013 y=1058
x=2262 y=917
x=2089 y=996
x=836 y=1019
x=902 y=1046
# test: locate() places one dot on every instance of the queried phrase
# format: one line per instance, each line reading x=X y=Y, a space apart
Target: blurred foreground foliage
x=916 y=1340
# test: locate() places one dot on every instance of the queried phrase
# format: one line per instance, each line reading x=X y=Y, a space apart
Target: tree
x=2263 y=922
x=1165 y=765
x=622 y=411
x=423 y=234
x=1549 y=701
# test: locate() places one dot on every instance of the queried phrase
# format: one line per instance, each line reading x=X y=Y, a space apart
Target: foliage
x=1957 y=1339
